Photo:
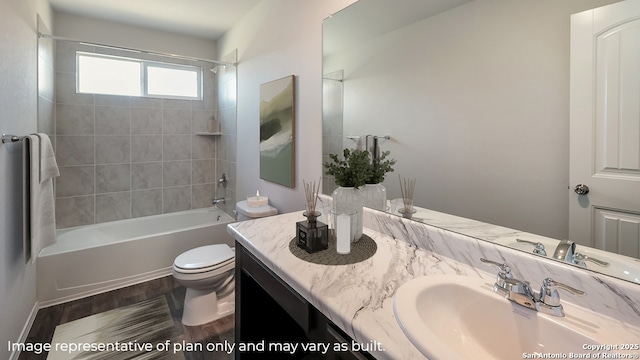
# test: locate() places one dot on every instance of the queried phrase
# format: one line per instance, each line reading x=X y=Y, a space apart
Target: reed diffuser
x=406 y=188
x=311 y=234
x=311 y=192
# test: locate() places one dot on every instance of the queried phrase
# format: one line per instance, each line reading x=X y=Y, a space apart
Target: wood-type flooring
x=216 y=332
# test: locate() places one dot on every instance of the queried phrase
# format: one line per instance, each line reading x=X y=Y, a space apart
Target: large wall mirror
x=474 y=97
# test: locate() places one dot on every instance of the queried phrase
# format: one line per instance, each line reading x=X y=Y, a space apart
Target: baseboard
x=25 y=330
x=112 y=285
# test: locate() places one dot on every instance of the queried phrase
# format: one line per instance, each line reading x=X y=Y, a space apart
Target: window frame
x=144 y=65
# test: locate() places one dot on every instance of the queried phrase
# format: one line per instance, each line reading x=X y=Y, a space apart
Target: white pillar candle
x=343 y=234
x=256 y=201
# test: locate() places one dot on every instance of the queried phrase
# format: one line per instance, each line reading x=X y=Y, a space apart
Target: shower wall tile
x=113 y=149
x=74 y=120
x=177 y=173
x=66 y=91
x=66 y=55
x=226 y=148
x=176 y=147
x=74 y=150
x=113 y=120
x=232 y=148
x=176 y=199
x=204 y=147
x=176 y=104
x=227 y=118
x=146 y=175
x=75 y=211
x=112 y=207
x=75 y=180
x=229 y=169
x=153 y=103
x=176 y=121
x=146 y=202
x=113 y=178
x=112 y=100
x=122 y=156
x=145 y=148
x=146 y=121
x=203 y=171
x=209 y=93
x=222 y=148
x=203 y=195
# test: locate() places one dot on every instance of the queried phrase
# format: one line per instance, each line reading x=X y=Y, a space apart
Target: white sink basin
x=457 y=317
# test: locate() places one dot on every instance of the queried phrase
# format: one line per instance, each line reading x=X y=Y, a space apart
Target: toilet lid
x=255 y=212
x=204 y=256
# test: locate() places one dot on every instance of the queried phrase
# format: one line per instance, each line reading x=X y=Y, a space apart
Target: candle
x=256 y=201
x=343 y=234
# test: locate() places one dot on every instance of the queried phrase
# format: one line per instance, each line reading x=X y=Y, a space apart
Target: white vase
x=374 y=196
x=347 y=200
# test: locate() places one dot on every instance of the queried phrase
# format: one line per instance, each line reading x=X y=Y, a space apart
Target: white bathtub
x=96 y=258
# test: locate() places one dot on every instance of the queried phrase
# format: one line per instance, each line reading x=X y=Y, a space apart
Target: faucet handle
x=549 y=291
x=579 y=259
x=538 y=247
x=505 y=270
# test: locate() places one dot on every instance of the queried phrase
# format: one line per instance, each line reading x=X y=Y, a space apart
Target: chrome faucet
x=518 y=291
x=223 y=180
x=219 y=201
x=566 y=251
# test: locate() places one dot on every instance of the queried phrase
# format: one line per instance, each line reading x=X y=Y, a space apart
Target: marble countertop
x=358 y=298
x=623 y=267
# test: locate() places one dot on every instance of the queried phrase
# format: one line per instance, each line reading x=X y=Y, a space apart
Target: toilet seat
x=205 y=259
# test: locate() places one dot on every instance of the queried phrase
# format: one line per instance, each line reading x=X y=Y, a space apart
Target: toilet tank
x=246 y=212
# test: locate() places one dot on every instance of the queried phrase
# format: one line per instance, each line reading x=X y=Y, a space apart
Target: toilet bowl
x=208 y=274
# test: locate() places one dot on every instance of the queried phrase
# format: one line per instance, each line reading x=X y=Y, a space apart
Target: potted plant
x=350 y=173
x=374 y=193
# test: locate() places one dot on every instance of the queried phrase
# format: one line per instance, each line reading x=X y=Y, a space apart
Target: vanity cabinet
x=271 y=317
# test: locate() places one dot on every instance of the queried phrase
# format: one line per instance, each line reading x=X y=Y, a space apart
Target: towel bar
x=10 y=138
x=356 y=137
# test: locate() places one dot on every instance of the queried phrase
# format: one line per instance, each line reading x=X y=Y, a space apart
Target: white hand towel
x=48 y=164
x=43 y=219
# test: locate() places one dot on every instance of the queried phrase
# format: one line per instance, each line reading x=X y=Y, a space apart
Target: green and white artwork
x=277 y=129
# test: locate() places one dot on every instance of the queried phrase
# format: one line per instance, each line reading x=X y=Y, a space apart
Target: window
x=104 y=74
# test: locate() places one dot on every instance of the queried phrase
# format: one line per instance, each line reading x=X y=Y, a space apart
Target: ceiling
x=208 y=19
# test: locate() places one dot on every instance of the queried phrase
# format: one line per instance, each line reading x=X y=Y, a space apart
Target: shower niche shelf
x=209 y=133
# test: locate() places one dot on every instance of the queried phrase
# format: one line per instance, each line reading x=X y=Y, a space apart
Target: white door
x=605 y=128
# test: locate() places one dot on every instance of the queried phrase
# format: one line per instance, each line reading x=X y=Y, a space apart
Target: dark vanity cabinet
x=271 y=318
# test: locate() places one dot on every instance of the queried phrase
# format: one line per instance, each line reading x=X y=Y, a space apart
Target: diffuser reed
x=311 y=191
x=406 y=188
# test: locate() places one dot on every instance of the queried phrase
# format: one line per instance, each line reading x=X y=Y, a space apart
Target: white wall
x=18 y=115
x=111 y=33
x=476 y=100
x=276 y=39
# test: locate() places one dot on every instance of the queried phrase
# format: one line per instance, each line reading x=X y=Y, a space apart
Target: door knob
x=581 y=189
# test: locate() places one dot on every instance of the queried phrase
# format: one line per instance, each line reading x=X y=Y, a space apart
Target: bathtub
x=91 y=259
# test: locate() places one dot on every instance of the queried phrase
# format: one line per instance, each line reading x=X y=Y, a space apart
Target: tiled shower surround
x=122 y=157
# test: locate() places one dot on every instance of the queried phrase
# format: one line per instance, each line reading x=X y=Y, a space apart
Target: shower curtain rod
x=218 y=62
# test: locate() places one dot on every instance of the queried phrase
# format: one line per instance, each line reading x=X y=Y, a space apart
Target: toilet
x=208 y=274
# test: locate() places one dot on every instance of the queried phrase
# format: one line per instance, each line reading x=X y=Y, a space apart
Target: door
x=605 y=128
